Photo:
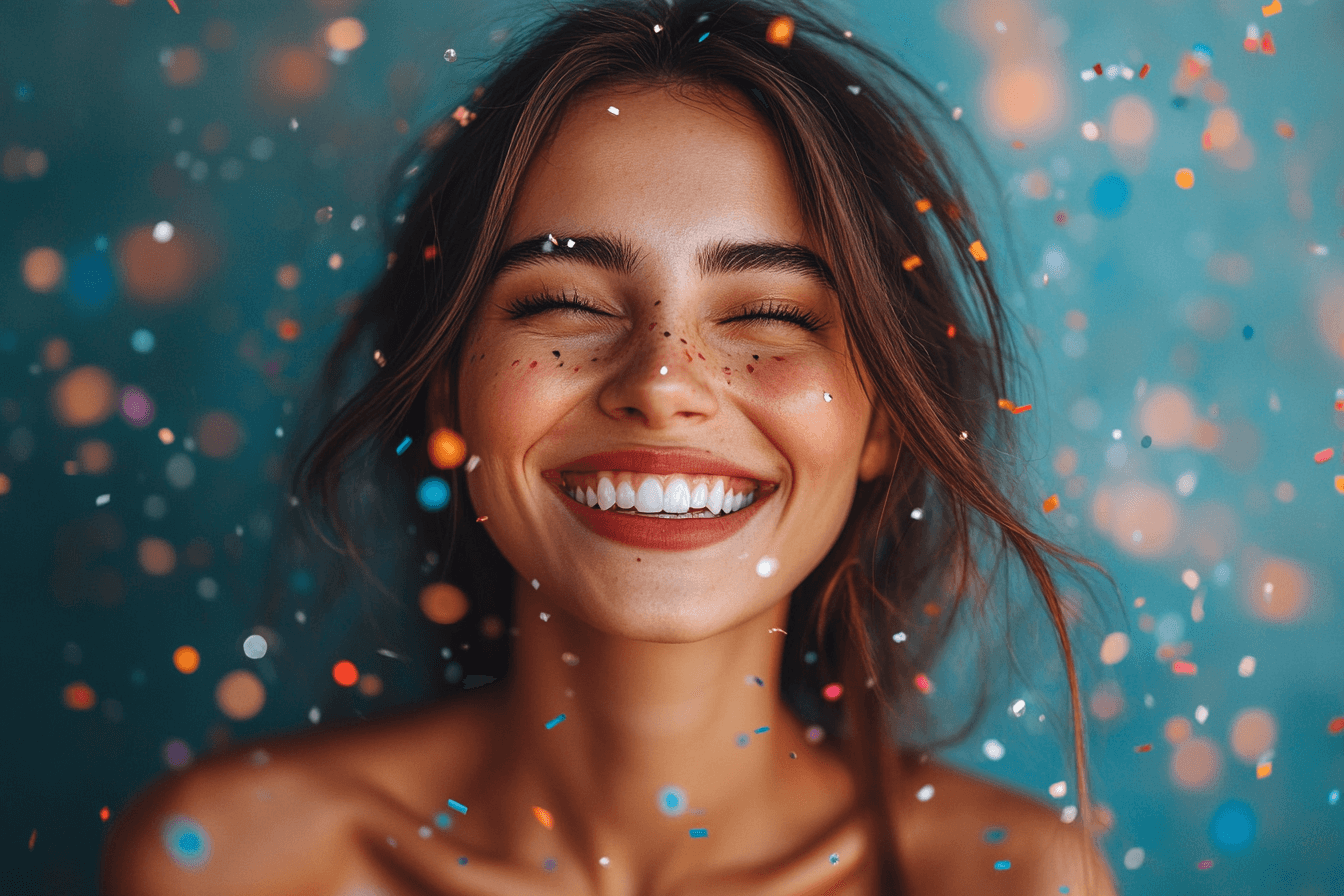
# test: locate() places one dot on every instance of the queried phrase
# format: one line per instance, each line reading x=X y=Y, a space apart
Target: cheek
x=792 y=391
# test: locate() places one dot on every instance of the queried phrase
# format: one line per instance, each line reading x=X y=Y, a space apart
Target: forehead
x=657 y=163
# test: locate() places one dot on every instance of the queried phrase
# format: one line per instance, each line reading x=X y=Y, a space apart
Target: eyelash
x=545 y=300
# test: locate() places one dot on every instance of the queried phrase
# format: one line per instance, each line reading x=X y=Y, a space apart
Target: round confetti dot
x=443 y=603
x=186 y=659
x=443 y=820
x=1247 y=332
x=240 y=695
x=672 y=800
x=450 y=55
x=1146 y=442
x=835 y=858
x=433 y=493
x=78 y=696
x=742 y=740
x=994 y=751
x=1109 y=195
x=832 y=692
x=254 y=647
x=994 y=835
x=1134 y=858
x=1232 y=827
x=1185 y=178
x=186 y=841
x=604 y=861
x=766 y=567
x=345 y=674
x=925 y=793
x=1114 y=648
x=446 y=449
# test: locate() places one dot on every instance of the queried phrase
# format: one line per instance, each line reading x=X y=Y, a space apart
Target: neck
x=640 y=717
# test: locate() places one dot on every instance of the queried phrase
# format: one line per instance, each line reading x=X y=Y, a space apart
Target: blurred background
x=192 y=200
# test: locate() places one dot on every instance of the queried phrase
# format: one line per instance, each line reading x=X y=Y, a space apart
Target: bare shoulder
x=959 y=833
x=282 y=815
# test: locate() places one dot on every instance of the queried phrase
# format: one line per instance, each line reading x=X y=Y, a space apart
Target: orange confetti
x=1287 y=132
x=923 y=205
x=288 y=329
x=1336 y=725
x=1267 y=43
x=173 y=4
x=951 y=331
x=1181 y=667
x=32 y=838
x=1339 y=404
x=1263 y=769
x=446 y=449
x=186 y=659
x=1005 y=404
x=1272 y=9
x=912 y=262
x=1021 y=408
x=1143 y=748
x=1339 y=484
x=1185 y=178
x=431 y=253
x=1143 y=72
x=104 y=813
x=978 y=251
x=345 y=673
x=544 y=817
x=1051 y=503
x=780 y=31
x=1323 y=455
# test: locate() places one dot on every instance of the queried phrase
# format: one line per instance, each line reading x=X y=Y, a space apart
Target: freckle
x=533 y=364
x=659 y=302
x=576 y=369
x=636 y=559
x=755 y=357
x=777 y=357
x=750 y=369
x=594 y=360
x=556 y=353
x=665 y=333
x=515 y=363
x=700 y=356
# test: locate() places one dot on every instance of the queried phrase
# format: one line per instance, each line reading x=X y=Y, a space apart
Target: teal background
x=1168 y=281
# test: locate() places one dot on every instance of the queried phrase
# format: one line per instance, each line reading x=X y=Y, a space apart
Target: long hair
x=921 y=312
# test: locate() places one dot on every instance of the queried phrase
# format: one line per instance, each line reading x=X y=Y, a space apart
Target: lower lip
x=657 y=534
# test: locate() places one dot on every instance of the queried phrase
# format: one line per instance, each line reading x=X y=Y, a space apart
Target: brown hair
x=877 y=189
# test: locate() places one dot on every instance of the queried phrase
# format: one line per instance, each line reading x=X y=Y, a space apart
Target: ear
x=881 y=447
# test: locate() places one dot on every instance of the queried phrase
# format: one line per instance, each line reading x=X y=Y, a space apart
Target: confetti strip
x=173 y=4
x=405 y=443
x=555 y=721
x=1181 y=667
x=544 y=817
x=1323 y=455
x=912 y=262
x=699 y=833
x=1143 y=72
x=457 y=807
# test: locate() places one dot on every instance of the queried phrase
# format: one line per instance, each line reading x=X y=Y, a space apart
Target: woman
x=694 y=292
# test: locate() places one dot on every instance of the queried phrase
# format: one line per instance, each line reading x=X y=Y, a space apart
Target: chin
x=668 y=620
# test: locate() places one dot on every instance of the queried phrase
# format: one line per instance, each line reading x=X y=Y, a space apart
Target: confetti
x=1264 y=769
x=1002 y=865
x=923 y=205
x=450 y=55
x=555 y=721
x=1185 y=178
x=101 y=500
x=1336 y=725
x=1272 y=9
x=912 y=262
x=1143 y=72
x=173 y=4
x=1143 y=748
x=1051 y=503
x=1059 y=789
x=1181 y=667
x=344 y=673
x=405 y=443
x=833 y=692
x=613 y=110
x=978 y=251
x=780 y=31
x=1323 y=455
x=699 y=833
x=925 y=793
x=543 y=817
x=835 y=857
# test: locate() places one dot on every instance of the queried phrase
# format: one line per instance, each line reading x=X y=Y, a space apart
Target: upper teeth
x=678 y=493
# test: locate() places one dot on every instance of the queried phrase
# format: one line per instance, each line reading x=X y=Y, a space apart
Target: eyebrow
x=612 y=253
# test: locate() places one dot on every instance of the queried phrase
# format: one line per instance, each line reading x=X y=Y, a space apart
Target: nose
x=662 y=379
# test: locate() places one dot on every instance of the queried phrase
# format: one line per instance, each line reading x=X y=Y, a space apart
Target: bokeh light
x=83 y=397
x=1254 y=730
x=186 y=659
x=344 y=673
x=240 y=695
x=1196 y=764
x=443 y=603
x=155 y=273
x=43 y=269
x=446 y=449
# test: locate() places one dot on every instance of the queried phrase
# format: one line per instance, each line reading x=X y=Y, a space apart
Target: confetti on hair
x=405 y=443
x=555 y=721
x=923 y=205
x=780 y=31
x=951 y=331
x=1051 y=503
x=978 y=251
x=463 y=116
x=431 y=252
x=912 y=262
x=544 y=817
x=1323 y=455
x=833 y=691
x=925 y=793
x=1021 y=408
x=104 y=813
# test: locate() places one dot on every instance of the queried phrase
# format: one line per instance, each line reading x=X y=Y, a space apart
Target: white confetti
x=314 y=715
x=917 y=513
x=449 y=55
x=1069 y=814
x=545 y=617
x=925 y=793
x=1201 y=714
x=1134 y=858
x=1019 y=706
x=766 y=567
x=472 y=462
x=163 y=232
x=103 y=499
x=535 y=584
x=994 y=751
x=898 y=637
x=613 y=110
x=1058 y=789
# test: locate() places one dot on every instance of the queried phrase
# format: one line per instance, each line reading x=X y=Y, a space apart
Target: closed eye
x=538 y=303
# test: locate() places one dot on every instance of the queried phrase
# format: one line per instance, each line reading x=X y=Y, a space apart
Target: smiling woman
x=726 y=440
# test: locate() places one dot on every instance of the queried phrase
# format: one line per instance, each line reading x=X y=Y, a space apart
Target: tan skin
x=665 y=640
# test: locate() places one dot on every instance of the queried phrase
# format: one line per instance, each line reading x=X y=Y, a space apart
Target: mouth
x=673 y=512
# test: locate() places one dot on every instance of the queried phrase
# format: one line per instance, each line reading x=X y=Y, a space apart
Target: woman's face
x=655 y=189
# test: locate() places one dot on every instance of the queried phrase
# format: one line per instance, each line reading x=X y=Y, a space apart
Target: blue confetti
x=461 y=860
x=699 y=833
x=433 y=493
x=671 y=800
x=1109 y=195
x=702 y=37
x=1002 y=865
x=555 y=721
x=995 y=835
x=443 y=820
x=1247 y=332
x=454 y=804
x=405 y=443
x=1334 y=797
x=1147 y=441
x=186 y=841
x=835 y=857
x=1232 y=827
x=763 y=729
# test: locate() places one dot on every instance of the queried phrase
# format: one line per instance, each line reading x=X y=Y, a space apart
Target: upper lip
x=657 y=461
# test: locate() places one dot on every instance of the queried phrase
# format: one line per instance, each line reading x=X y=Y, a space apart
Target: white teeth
x=606 y=493
x=591 y=497
x=700 y=496
x=625 y=496
x=714 y=503
x=730 y=501
x=650 y=497
x=677 y=497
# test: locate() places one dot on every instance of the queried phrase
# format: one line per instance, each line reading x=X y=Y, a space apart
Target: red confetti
x=104 y=813
x=1143 y=748
x=1098 y=69
x=1324 y=455
x=1205 y=864
x=1020 y=409
x=1336 y=725
x=32 y=838
x=832 y=692
x=1181 y=667
x=345 y=673
x=1267 y=44
x=1143 y=72
x=173 y=4
x=431 y=253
